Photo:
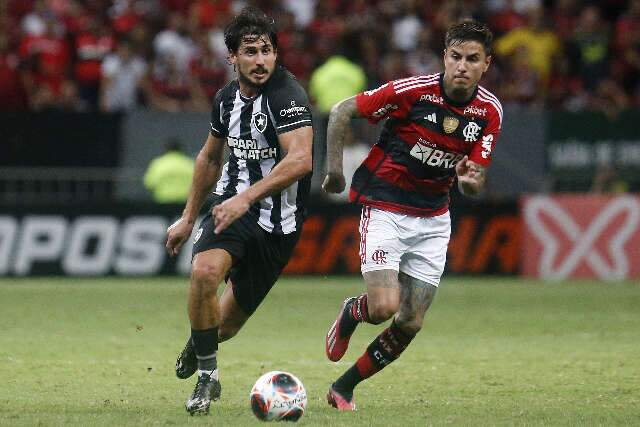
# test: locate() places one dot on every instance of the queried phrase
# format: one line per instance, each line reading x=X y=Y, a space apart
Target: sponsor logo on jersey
x=450 y=124
x=475 y=110
x=249 y=149
x=432 y=98
x=486 y=146
x=431 y=117
x=384 y=110
x=431 y=156
x=293 y=111
x=259 y=121
x=471 y=132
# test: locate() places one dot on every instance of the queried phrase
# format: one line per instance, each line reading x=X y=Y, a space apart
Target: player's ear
x=487 y=62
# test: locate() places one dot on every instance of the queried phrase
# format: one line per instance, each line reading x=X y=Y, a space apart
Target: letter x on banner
x=583 y=236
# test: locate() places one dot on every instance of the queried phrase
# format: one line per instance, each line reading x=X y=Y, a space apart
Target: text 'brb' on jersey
x=412 y=166
x=251 y=127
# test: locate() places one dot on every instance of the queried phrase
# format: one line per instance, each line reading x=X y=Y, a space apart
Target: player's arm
x=207 y=168
x=471 y=177
x=339 y=120
x=296 y=163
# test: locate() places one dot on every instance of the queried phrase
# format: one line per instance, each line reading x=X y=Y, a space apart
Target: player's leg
x=380 y=252
x=383 y=302
x=207 y=272
x=232 y=316
x=416 y=297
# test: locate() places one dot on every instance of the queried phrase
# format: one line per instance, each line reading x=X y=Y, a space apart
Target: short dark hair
x=469 y=30
x=250 y=22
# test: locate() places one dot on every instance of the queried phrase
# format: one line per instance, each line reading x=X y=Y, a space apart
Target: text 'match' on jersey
x=412 y=166
x=251 y=127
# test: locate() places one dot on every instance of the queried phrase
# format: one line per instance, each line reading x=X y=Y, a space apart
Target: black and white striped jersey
x=251 y=127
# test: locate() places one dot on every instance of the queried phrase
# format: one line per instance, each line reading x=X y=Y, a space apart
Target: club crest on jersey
x=450 y=124
x=471 y=132
x=259 y=121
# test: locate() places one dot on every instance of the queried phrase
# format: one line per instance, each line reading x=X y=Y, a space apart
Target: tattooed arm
x=339 y=121
x=471 y=177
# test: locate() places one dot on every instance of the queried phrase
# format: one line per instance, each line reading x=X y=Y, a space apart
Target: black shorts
x=258 y=256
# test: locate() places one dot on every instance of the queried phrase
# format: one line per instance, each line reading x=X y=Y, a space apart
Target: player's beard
x=246 y=81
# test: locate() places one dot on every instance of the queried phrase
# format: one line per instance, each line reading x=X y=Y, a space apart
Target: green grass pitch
x=492 y=352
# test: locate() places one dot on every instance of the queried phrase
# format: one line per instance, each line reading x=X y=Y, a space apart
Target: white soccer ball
x=278 y=396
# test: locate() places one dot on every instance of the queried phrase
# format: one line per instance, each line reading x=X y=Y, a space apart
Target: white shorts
x=416 y=246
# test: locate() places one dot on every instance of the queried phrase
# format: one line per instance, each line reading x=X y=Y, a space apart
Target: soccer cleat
x=337 y=340
x=186 y=364
x=207 y=389
x=339 y=402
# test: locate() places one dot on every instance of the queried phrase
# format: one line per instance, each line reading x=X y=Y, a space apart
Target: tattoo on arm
x=339 y=120
x=415 y=295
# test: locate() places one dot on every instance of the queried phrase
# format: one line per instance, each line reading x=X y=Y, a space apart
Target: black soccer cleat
x=186 y=363
x=207 y=389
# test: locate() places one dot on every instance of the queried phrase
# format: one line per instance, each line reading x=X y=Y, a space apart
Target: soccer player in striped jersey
x=439 y=129
x=260 y=198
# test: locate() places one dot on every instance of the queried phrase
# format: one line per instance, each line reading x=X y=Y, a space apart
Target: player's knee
x=409 y=324
x=206 y=276
x=380 y=311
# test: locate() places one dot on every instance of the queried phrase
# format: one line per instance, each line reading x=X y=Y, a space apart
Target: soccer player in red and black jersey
x=439 y=129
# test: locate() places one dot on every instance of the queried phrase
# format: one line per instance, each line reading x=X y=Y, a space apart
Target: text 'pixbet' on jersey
x=248 y=149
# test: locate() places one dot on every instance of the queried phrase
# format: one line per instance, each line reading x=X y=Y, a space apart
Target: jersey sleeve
x=290 y=107
x=482 y=150
x=383 y=102
x=216 y=127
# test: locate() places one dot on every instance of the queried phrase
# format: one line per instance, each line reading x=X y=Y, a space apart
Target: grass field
x=493 y=352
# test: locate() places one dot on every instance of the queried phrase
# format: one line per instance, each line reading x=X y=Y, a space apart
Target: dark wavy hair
x=249 y=25
x=469 y=31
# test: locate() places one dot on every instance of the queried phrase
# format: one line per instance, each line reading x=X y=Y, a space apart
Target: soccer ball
x=278 y=396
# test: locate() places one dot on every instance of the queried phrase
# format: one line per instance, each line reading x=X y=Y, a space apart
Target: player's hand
x=177 y=234
x=334 y=183
x=466 y=169
x=470 y=176
x=228 y=211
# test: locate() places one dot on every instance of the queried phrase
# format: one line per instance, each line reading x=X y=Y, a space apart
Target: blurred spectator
x=169 y=176
x=301 y=9
x=589 y=45
x=173 y=44
x=386 y=38
x=92 y=46
x=521 y=84
x=34 y=23
x=407 y=26
x=206 y=14
x=506 y=19
x=208 y=74
x=47 y=58
x=423 y=60
x=338 y=78
x=542 y=46
x=123 y=77
x=12 y=93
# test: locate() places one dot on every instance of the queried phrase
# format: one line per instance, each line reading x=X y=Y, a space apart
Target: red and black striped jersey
x=412 y=166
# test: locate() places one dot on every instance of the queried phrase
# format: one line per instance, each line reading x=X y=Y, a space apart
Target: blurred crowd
x=169 y=55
